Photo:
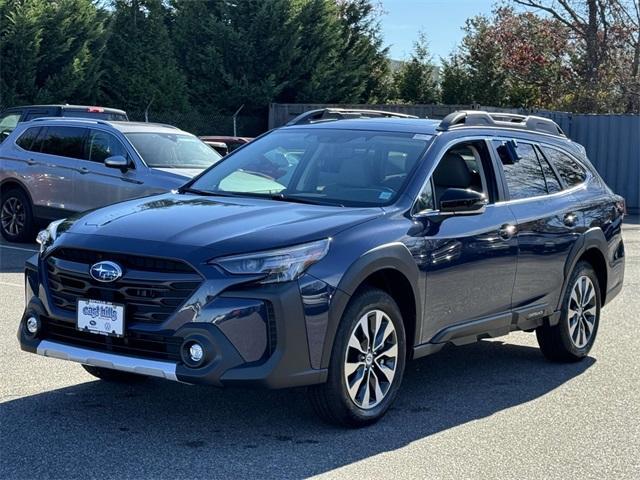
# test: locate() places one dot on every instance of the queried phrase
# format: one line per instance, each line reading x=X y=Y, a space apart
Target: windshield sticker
x=384 y=195
x=420 y=136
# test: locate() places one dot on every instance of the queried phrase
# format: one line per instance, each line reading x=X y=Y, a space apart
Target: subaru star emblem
x=106 y=271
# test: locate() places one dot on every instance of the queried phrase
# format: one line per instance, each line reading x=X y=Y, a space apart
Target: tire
x=572 y=338
x=16 y=216
x=332 y=401
x=110 y=375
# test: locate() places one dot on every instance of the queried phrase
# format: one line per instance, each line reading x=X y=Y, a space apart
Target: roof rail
x=331 y=114
x=477 y=118
x=70 y=119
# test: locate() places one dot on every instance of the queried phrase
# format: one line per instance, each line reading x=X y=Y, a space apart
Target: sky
x=441 y=20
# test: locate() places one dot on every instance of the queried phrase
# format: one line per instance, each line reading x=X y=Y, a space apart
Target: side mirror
x=117 y=161
x=458 y=201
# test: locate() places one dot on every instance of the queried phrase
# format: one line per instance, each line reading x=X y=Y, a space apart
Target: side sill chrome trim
x=143 y=366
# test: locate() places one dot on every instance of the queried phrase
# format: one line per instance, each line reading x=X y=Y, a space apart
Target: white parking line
x=2 y=246
x=12 y=284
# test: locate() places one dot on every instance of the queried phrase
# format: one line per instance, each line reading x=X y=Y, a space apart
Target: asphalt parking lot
x=494 y=409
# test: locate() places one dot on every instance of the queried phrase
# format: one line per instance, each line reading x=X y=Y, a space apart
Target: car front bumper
x=227 y=326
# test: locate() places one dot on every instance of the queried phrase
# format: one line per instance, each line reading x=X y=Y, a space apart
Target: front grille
x=136 y=344
x=151 y=289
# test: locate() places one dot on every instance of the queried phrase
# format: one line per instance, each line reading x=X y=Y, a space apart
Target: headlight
x=279 y=265
x=47 y=236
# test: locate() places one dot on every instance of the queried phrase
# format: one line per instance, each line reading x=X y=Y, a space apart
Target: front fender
x=393 y=256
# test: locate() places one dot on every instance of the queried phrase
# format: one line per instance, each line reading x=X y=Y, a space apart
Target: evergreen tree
x=50 y=51
x=416 y=80
x=455 y=81
x=140 y=69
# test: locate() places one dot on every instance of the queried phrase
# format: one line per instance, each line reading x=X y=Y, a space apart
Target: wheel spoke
x=366 y=398
x=387 y=371
x=376 y=386
x=390 y=352
x=350 y=368
x=381 y=339
x=355 y=343
x=573 y=323
x=354 y=387
x=377 y=324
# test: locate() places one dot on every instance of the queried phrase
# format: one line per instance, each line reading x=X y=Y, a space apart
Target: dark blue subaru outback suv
x=328 y=254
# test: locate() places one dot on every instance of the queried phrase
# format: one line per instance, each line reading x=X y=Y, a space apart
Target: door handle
x=83 y=170
x=570 y=219
x=31 y=161
x=507 y=231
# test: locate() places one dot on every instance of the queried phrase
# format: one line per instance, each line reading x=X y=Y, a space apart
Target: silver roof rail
x=332 y=114
x=477 y=118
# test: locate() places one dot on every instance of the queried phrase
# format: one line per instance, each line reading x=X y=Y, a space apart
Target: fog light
x=196 y=353
x=32 y=325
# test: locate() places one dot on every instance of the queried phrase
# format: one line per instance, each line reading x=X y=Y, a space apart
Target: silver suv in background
x=52 y=167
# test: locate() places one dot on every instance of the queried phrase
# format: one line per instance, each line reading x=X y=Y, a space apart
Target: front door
x=99 y=185
x=469 y=261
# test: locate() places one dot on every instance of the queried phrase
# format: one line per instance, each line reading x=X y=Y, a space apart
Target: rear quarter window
x=569 y=169
x=27 y=139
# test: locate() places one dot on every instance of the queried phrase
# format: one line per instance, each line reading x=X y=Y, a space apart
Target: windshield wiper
x=291 y=198
x=207 y=193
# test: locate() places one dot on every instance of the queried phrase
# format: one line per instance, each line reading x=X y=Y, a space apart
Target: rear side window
x=27 y=139
x=64 y=141
x=102 y=145
x=553 y=184
x=570 y=171
x=525 y=178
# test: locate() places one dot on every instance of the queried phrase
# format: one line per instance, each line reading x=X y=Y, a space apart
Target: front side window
x=330 y=166
x=102 y=145
x=27 y=139
x=524 y=177
x=64 y=141
x=571 y=172
x=462 y=167
x=173 y=150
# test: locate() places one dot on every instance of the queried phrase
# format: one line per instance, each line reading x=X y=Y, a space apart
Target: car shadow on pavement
x=160 y=429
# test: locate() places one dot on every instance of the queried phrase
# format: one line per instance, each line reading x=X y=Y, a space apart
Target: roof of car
x=63 y=105
x=410 y=125
x=124 y=127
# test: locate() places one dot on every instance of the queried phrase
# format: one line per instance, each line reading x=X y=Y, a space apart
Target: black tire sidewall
x=27 y=232
x=581 y=269
x=364 y=302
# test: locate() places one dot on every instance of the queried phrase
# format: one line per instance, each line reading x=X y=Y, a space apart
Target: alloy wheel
x=371 y=359
x=13 y=216
x=582 y=311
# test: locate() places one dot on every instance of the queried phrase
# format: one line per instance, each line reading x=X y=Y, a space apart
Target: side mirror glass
x=459 y=201
x=117 y=161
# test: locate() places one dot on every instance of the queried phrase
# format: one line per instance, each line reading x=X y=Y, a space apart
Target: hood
x=228 y=225
x=181 y=172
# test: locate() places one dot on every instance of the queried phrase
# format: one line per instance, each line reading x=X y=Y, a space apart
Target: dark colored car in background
x=10 y=117
x=327 y=255
x=224 y=144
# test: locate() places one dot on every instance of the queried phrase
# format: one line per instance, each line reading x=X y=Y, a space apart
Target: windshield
x=339 y=167
x=171 y=150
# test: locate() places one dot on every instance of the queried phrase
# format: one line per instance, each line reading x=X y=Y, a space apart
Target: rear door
x=547 y=228
x=100 y=185
x=54 y=159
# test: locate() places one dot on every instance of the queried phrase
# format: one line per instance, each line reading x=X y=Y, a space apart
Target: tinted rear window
x=64 y=141
x=525 y=178
x=26 y=140
x=571 y=172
